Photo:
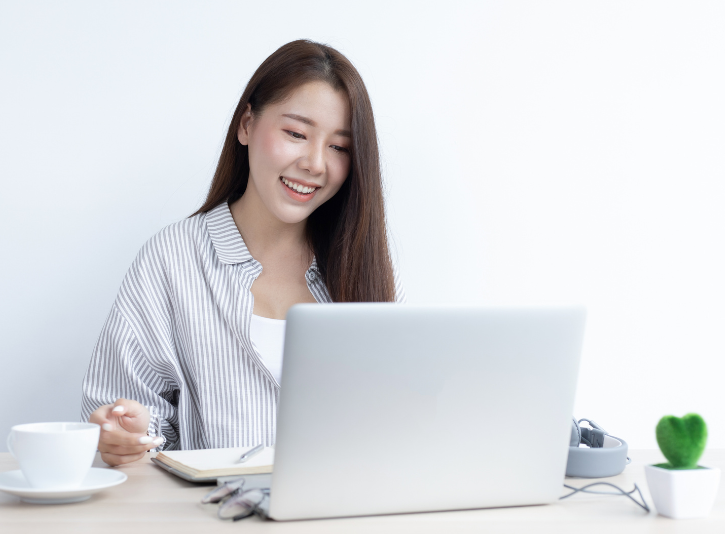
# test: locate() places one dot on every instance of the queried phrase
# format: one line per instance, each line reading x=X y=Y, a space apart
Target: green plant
x=681 y=440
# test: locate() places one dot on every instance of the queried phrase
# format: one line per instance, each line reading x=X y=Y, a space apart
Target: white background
x=533 y=152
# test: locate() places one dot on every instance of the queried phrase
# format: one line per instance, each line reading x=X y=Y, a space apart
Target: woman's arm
x=121 y=378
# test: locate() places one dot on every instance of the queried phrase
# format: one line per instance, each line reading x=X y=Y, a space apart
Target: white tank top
x=268 y=338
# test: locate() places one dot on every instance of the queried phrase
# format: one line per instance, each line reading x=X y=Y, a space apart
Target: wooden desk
x=155 y=502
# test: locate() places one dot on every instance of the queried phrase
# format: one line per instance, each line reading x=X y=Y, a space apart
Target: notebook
x=206 y=465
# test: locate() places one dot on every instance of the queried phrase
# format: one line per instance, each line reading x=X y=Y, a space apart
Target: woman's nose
x=314 y=160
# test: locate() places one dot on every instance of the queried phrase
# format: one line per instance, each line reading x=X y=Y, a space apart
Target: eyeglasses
x=238 y=503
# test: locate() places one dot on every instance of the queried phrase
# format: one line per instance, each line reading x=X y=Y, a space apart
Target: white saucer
x=97 y=479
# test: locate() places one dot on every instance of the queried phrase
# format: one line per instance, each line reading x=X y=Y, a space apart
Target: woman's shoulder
x=179 y=234
x=174 y=245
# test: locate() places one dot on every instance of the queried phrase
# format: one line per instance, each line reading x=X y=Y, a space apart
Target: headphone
x=603 y=456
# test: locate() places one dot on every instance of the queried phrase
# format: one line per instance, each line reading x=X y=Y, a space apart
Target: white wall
x=533 y=151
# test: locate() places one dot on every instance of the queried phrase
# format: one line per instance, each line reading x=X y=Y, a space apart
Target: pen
x=251 y=452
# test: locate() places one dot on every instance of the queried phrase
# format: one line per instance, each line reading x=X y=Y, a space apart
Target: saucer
x=97 y=479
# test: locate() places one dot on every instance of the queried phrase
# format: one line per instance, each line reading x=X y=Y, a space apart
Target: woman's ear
x=243 y=131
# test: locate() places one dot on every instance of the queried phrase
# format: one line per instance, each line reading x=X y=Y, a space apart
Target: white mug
x=54 y=455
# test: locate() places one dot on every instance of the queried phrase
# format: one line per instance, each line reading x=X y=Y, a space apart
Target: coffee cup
x=54 y=455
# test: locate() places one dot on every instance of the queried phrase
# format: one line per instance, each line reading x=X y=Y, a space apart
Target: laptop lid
x=389 y=408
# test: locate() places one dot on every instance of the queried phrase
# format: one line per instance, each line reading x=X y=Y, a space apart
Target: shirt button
x=312 y=276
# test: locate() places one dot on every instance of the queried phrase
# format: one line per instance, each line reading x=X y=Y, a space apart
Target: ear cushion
x=606 y=461
x=576 y=433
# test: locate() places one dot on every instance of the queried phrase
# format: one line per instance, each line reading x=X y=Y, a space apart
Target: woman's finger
x=127 y=407
x=130 y=415
x=118 y=449
x=121 y=437
x=121 y=450
x=117 y=459
x=102 y=415
x=127 y=439
x=126 y=449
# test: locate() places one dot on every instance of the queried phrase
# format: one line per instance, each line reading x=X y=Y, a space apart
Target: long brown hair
x=347 y=234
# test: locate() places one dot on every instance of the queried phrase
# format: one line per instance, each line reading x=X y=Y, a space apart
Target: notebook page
x=207 y=459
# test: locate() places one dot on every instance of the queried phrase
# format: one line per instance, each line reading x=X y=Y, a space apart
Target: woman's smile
x=297 y=189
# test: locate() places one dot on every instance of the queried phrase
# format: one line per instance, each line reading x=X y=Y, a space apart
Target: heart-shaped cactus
x=682 y=440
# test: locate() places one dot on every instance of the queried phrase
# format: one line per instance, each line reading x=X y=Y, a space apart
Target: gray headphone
x=603 y=456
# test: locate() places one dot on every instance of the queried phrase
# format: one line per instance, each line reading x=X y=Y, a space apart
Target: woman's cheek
x=277 y=151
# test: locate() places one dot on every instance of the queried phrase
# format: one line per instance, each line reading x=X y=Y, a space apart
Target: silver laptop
x=389 y=408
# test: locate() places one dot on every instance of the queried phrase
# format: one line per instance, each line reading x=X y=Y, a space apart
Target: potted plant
x=681 y=488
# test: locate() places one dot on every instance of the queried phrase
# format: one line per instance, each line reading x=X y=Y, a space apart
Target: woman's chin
x=290 y=215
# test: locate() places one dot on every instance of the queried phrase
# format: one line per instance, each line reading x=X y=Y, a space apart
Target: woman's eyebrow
x=344 y=133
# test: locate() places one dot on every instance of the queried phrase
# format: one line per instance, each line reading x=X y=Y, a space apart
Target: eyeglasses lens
x=241 y=504
x=221 y=492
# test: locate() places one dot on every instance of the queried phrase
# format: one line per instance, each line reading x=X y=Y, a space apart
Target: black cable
x=642 y=504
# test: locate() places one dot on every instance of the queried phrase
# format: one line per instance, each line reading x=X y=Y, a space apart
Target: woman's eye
x=340 y=148
x=295 y=134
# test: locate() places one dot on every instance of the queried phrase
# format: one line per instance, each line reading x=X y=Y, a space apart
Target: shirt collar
x=228 y=242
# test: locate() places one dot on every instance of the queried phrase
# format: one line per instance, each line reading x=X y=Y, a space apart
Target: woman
x=190 y=355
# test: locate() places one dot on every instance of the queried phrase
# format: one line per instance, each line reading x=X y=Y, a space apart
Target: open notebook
x=209 y=464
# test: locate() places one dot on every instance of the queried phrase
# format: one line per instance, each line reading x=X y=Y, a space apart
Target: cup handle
x=10 y=447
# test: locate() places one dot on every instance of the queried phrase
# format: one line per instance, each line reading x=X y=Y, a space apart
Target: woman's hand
x=123 y=432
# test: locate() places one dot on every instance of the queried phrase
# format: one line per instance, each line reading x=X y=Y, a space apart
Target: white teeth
x=297 y=187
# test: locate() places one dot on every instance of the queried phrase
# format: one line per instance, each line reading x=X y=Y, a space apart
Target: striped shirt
x=177 y=338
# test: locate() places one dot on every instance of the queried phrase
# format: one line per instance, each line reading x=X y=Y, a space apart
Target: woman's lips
x=296 y=195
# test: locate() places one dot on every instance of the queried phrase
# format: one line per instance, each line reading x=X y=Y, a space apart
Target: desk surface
x=154 y=501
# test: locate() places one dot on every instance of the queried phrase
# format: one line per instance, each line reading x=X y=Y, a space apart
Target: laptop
x=390 y=408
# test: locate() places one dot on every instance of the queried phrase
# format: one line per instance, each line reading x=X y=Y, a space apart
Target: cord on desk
x=642 y=504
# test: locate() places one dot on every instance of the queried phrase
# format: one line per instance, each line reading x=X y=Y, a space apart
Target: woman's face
x=299 y=150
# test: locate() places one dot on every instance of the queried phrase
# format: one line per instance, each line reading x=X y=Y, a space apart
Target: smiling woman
x=191 y=354
x=318 y=99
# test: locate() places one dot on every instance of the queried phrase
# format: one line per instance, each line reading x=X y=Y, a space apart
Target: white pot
x=683 y=493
